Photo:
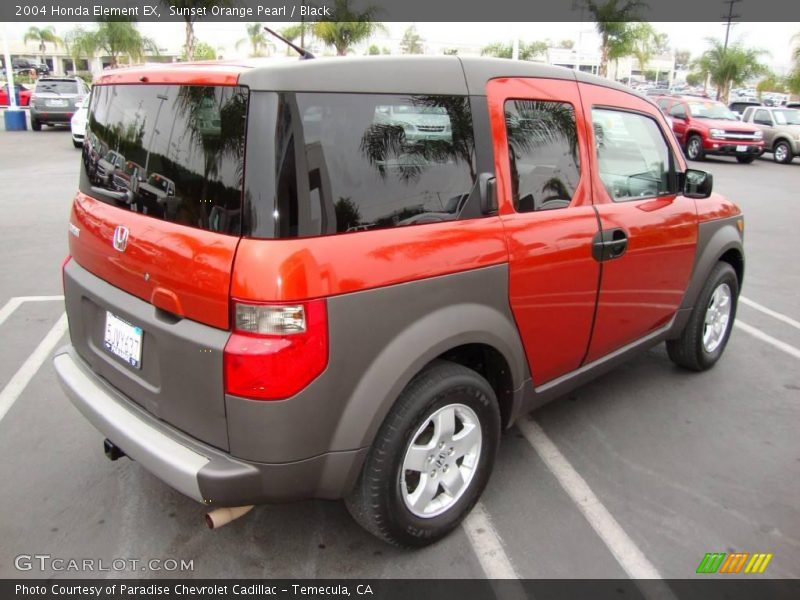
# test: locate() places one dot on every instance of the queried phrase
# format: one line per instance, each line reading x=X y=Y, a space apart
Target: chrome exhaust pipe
x=222 y=516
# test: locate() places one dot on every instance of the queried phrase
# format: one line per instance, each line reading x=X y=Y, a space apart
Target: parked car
x=23 y=66
x=107 y=165
x=55 y=100
x=781 y=129
x=329 y=345
x=707 y=127
x=738 y=106
x=792 y=105
x=156 y=196
x=418 y=123
x=24 y=98
x=77 y=123
x=129 y=177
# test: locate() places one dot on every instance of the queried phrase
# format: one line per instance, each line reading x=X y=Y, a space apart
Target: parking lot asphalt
x=681 y=464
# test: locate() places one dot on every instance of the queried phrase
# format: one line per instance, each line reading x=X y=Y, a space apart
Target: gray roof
x=404 y=75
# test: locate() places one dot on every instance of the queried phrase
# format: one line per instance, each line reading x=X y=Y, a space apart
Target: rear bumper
x=197 y=470
x=52 y=117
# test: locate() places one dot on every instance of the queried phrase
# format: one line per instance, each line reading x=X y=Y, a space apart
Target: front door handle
x=609 y=244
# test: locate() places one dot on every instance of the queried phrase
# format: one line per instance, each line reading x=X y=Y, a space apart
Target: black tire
x=36 y=125
x=688 y=350
x=745 y=160
x=77 y=144
x=377 y=502
x=694 y=148
x=782 y=153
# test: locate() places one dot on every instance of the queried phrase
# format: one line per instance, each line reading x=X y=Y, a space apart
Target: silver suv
x=781 y=127
x=55 y=100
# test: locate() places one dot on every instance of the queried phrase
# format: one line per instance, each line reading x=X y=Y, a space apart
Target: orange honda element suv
x=342 y=278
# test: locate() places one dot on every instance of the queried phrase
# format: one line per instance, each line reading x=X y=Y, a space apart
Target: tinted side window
x=663 y=103
x=762 y=117
x=543 y=154
x=171 y=152
x=343 y=163
x=678 y=111
x=633 y=157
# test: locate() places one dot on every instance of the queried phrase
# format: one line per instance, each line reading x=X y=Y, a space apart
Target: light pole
x=162 y=98
x=14 y=117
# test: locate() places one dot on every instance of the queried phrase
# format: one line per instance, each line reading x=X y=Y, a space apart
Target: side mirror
x=487 y=185
x=697 y=184
x=482 y=198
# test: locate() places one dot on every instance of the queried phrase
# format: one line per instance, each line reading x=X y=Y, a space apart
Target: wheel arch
x=718 y=240
x=690 y=133
x=781 y=138
x=474 y=335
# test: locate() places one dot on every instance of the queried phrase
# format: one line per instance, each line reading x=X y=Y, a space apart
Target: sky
x=775 y=38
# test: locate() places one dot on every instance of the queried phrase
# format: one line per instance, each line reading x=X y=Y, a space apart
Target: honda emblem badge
x=120 y=240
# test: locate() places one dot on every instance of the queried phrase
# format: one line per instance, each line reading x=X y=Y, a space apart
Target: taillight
x=275 y=350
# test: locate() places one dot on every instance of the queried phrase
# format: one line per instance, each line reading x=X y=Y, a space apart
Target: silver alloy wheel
x=694 y=148
x=781 y=152
x=441 y=460
x=718 y=315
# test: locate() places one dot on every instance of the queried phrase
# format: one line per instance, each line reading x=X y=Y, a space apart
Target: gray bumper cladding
x=166 y=458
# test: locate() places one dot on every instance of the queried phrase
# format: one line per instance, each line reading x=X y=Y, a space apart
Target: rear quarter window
x=167 y=151
x=342 y=163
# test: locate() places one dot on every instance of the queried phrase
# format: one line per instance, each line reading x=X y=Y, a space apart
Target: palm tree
x=193 y=105
x=729 y=66
x=793 y=80
x=42 y=36
x=296 y=32
x=412 y=42
x=612 y=19
x=258 y=40
x=74 y=51
x=644 y=41
x=115 y=39
x=188 y=11
x=382 y=142
x=345 y=28
x=526 y=51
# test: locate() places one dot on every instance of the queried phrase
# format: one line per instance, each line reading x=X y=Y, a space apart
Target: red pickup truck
x=364 y=268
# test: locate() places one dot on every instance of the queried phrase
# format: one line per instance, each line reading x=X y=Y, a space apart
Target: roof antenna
x=304 y=54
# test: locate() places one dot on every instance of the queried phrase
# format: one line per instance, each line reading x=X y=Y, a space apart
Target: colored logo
x=736 y=562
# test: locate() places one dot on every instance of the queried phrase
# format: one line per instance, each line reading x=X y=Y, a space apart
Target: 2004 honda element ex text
x=342 y=278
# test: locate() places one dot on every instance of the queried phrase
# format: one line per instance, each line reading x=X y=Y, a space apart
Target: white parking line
x=756 y=332
x=14 y=303
x=627 y=553
x=31 y=365
x=487 y=545
x=768 y=311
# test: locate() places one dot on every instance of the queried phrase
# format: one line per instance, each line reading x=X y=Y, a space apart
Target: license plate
x=741 y=148
x=56 y=102
x=123 y=340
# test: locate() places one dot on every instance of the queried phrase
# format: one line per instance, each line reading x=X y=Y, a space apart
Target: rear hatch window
x=170 y=152
x=56 y=87
x=159 y=213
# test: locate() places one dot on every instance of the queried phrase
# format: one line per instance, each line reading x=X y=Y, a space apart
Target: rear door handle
x=609 y=244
